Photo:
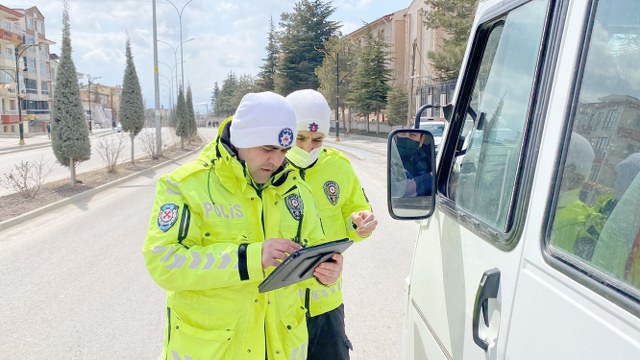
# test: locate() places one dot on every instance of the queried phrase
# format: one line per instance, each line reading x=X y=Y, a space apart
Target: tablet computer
x=299 y=265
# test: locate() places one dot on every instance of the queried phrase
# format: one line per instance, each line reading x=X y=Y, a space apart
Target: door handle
x=487 y=289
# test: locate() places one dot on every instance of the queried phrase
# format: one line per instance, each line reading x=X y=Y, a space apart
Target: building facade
x=24 y=61
x=408 y=43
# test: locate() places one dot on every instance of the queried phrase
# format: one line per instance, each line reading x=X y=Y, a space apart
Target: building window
x=610 y=119
x=44 y=86
x=31 y=86
x=12 y=105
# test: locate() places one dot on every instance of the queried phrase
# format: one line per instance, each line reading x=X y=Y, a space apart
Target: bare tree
x=26 y=178
x=110 y=150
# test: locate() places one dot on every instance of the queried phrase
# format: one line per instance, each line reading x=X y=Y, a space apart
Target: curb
x=85 y=194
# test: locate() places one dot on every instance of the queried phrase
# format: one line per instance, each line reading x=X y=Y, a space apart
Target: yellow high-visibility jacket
x=337 y=193
x=204 y=246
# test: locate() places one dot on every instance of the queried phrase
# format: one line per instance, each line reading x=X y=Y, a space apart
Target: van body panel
x=552 y=302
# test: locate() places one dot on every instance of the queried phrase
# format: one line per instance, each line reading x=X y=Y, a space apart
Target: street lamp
x=18 y=54
x=175 y=55
x=336 y=59
x=89 y=82
x=170 y=87
x=181 y=42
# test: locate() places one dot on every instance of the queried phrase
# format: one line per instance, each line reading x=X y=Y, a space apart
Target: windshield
x=434 y=129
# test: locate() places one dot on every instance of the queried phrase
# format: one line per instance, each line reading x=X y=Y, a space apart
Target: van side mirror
x=411 y=180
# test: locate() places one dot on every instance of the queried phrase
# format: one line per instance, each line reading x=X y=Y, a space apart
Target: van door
x=578 y=293
x=468 y=254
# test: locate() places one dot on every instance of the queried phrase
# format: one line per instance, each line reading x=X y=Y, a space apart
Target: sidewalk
x=9 y=142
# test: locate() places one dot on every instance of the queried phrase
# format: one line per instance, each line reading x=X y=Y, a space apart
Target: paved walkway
x=9 y=142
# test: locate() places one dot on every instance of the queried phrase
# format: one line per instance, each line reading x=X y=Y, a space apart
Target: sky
x=228 y=35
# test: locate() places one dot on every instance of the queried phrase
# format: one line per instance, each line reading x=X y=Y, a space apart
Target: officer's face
x=262 y=161
x=307 y=140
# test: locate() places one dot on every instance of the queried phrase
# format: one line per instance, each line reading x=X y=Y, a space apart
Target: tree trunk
x=378 y=122
x=133 y=159
x=181 y=142
x=72 y=170
x=366 y=119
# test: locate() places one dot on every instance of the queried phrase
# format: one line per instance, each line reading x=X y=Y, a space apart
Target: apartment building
x=409 y=41
x=25 y=66
x=101 y=104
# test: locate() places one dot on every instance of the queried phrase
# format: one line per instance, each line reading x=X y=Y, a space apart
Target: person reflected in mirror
x=344 y=210
x=576 y=226
x=413 y=163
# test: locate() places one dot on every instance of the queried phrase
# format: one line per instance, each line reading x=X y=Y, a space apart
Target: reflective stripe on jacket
x=204 y=246
x=337 y=193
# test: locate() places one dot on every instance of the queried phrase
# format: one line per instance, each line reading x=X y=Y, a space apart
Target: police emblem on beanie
x=312 y=110
x=263 y=119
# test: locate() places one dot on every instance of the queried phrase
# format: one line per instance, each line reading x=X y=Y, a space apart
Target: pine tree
x=131 y=104
x=225 y=105
x=182 y=119
x=397 y=106
x=372 y=74
x=455 y=18
x=70 y=134
x=215 y=98
x=305 y=30
x=191 y=115
x=267 y=72
x=245 y=85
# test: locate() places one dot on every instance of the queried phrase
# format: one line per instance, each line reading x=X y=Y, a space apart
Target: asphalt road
x=74 y=285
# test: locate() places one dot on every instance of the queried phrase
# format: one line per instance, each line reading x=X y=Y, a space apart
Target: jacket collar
x=233 y=172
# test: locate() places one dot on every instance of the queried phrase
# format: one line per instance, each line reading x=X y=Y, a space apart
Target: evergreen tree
x=182 y=119
x=397 y=106
x=304 y=31
x=225 y=106
x=131 y=104
x=191 y=115
x=370 y=83
x=69 y=134
x=267 y=72
x=454 y=18
x=215 y=98
x=244 y=86
x=346 y=53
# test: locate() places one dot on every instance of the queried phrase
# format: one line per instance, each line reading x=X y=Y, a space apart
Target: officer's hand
x=275 y=250
x=329 y=271
x=365 y=222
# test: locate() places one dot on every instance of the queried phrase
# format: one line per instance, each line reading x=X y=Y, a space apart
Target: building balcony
x=8 y=89
x=8 y=35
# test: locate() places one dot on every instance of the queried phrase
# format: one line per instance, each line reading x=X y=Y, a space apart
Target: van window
x=596 y=223
x=483 y=177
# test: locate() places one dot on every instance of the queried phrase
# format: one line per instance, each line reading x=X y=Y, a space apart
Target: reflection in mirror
x=411 y=174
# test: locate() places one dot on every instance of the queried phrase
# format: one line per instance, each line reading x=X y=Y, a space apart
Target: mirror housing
x=411 y=174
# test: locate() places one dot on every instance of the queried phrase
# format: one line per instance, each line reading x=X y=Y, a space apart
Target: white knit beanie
x=312 y=110
x=263 y=119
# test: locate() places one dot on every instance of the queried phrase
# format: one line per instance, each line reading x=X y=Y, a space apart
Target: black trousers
x=327 y=337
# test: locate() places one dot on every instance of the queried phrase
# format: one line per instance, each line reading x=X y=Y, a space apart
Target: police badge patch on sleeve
x=295 y=206
x=168 y=216
x=332 y=190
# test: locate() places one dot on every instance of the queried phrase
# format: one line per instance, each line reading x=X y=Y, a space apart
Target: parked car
x=435 y=127
x=119 y=127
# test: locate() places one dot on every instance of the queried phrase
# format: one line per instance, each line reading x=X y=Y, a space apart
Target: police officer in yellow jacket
x=219 y=225
x=343 y=208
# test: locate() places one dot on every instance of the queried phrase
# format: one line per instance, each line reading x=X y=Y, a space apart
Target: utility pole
x=156 y=83
x=89 y=82
x=18 y=54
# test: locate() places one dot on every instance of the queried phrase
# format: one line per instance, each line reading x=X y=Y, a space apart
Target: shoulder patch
x=168 y=216
x=332 y=191
x=295 y=206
